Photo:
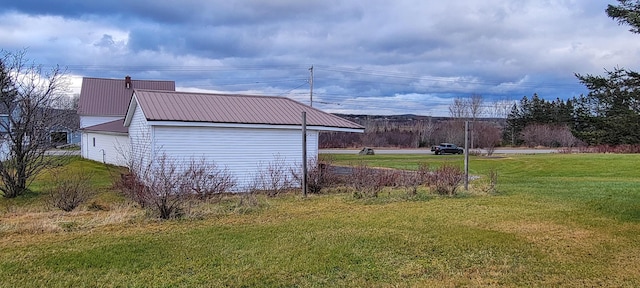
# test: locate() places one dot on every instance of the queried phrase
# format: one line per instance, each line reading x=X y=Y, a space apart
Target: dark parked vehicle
x=445 y=148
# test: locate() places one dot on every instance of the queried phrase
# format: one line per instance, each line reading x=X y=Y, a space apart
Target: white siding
x=108 y=148
x=140 y=137
x=86 y=143
x=5 y=150
x=86 y=121
x=243 y=151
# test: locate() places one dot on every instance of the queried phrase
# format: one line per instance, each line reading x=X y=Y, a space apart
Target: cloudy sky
x=369 y=56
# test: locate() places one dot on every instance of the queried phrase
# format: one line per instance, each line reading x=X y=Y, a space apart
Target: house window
x=94 y=141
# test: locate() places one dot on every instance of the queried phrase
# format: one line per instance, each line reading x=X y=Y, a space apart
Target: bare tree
x=476 y=109
x=459 y=109
x=28 y=96
x=475 y=106
x=426 y=130
x=500 y=109
x=489 y=135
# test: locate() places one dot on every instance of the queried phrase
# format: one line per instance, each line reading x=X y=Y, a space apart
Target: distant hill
x=361 y=118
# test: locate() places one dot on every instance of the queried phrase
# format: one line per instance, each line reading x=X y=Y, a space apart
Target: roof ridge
x=118 y=79
x=215 y=94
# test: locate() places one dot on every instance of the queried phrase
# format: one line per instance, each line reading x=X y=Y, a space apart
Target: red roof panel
x=116 y=126
x=110 y=97
x=230 y=108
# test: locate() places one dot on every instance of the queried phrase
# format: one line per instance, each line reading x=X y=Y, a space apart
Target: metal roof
x=115 y=126
x=231 y=108
x=111 y=97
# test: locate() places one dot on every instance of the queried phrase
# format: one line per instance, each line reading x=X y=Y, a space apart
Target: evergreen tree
x=611 y=111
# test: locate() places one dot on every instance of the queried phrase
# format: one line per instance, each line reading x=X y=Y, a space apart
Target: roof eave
x=133 y=104
x=251 y=125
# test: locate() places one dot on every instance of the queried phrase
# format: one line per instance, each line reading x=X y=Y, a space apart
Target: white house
x=102 y=106
x=107 y=143
x=242 y=133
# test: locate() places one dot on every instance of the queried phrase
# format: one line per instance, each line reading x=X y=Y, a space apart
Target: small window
x=94 y=141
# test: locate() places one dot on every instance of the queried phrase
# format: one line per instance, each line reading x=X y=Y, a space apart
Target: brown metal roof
x=116 y=126
x=229 y=108
x=110 y=97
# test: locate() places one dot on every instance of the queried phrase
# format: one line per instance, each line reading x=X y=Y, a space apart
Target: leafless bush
x=166 y=185
x=69 y=189
x=131 y=187
x=320 y=175
x=627 y=149
x=493 y=180
x=623 y=149
x=549 y=136
x=166 y=189
x=366 y=182
x=486 y=185
x=411 y=180
x=273 y=179
x=565 y=150
x=208 y=180
x=446 y=179
x=490 y=150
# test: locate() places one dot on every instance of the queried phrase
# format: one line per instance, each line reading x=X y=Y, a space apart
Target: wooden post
x=304 y=154
x=466 y=155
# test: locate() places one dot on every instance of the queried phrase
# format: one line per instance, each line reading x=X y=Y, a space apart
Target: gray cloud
x=369 y=56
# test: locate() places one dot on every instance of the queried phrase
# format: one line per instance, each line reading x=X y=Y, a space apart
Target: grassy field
x=558 y=220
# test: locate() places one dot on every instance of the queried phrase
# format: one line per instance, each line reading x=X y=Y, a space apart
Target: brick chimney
x=127 y=82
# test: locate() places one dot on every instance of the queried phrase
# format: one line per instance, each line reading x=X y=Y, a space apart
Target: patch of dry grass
x=27 y=223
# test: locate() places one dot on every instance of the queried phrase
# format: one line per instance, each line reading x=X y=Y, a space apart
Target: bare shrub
x=165 y=188
x=624 y=149
x=490 y=150
x=565 y=150
x=486 y=185
x=273 y=179
x=166 y=185
x=208 y=180
x=320 y=175
x=366 y=182
x=132 y=187
x=493 y=180
x=411 y=180
x=627 y=148
x=69 y=189
x=548 y=135
x=446 y=179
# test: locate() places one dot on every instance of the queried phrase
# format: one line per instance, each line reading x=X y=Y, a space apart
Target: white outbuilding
x=243 y=133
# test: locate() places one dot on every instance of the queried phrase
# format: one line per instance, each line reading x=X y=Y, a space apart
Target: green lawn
x=557 y=220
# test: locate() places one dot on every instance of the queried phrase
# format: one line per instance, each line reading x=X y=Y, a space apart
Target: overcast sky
x=369 y=56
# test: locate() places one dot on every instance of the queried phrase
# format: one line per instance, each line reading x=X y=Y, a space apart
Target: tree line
x=608 y=115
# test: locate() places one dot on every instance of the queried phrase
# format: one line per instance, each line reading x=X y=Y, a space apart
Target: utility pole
x=311 y=86
x=466 y=155
x=304 y=154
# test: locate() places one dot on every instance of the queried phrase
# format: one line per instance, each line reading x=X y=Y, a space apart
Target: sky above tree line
x=369 y=57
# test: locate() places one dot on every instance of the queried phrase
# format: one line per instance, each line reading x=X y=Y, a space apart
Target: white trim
x=133 y=104
x=106 y=133
x=249 y=126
